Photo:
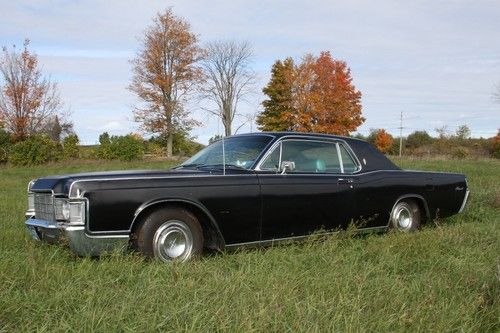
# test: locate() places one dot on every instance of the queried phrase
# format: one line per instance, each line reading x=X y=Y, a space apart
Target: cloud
x=437 y=61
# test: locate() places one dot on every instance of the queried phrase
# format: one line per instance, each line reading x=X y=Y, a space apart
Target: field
x=444 y=278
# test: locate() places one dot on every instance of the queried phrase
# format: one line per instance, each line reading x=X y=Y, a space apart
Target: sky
x=438 y=62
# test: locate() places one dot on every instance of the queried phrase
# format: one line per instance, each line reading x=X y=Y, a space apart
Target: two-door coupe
x=245 y=189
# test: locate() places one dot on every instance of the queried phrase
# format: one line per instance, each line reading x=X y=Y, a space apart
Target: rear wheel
x=406 y=216
x=170 y=234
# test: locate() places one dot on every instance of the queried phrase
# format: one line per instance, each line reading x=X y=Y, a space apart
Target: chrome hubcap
x=403 y=217
x=173 y=241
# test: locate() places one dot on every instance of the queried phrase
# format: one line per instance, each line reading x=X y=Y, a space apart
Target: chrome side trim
x=466 y=198
x=70 y=192
x=315 y=139
x=339 y=155
x=271 y=242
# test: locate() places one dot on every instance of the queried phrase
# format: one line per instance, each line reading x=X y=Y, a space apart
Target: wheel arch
x=213 y=238
x=419 y=199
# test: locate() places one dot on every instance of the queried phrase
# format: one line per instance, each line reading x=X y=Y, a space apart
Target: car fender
x=147 y=206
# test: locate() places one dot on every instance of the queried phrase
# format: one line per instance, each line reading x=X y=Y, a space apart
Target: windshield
x=239 y=152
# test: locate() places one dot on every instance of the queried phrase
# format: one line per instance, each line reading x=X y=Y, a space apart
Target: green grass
x=444 y=278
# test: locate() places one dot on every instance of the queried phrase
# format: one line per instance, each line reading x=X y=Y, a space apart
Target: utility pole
x=401 y=135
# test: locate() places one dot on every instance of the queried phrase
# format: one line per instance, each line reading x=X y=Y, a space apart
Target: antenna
x=223 y=157
x=401 y=135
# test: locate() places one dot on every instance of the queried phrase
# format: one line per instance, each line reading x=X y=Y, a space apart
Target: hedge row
x=40 y=149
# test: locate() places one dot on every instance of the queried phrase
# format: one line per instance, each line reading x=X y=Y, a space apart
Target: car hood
x=60 y=184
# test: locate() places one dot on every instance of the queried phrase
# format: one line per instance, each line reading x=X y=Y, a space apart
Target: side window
x=349 y=165
x=272 y=161
x=311 y=156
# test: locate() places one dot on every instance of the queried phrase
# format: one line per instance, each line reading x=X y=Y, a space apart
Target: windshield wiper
x=191 y=165
x=221 y=166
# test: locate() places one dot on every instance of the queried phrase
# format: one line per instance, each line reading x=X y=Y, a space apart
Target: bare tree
x=496 y=93
x=27 y=99
x=229 y=78
x=165 y=72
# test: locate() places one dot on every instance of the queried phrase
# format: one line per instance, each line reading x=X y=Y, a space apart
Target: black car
x=244 y=189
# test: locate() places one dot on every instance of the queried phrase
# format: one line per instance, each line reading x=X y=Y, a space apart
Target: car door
x=314 y=193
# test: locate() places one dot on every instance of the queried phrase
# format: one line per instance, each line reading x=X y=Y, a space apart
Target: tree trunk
x=226 y=120
x=227 y=128
x=170 y=141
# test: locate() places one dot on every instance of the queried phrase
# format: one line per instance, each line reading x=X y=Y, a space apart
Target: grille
x=44 y=207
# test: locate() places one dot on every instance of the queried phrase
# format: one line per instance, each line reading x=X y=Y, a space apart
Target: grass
x=444 y=278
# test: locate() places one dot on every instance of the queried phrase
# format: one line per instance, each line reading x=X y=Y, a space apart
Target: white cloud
x=436 y=60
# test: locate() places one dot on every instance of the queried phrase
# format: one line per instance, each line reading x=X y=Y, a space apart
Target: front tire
x=170 y=234
x=406 y=216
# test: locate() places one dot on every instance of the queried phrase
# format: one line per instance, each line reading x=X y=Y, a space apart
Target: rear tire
x=406 y=216
x=170 y=234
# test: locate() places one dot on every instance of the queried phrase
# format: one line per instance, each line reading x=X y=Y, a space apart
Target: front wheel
x=406 y=216
x=170 y=234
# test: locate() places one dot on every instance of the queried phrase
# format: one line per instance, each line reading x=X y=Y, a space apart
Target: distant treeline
x=40 y=149
x=420 y=143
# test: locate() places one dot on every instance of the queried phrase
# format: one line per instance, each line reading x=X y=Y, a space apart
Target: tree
x=315 y=95
x=229 y=78
x=28 y=100
x=280 y=99
x=418 y=139
x=337 y=103
x=57 y=129
x=164 y=73
x=462 y=132
x=383 y=141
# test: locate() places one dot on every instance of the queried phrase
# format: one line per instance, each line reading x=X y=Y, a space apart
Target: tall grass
x=444 y=278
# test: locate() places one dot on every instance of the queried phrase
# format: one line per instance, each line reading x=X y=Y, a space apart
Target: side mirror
x=287 y=166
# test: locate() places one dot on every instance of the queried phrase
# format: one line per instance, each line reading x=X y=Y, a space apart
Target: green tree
x=70 y=146
x=279 y=102
x=418 y=139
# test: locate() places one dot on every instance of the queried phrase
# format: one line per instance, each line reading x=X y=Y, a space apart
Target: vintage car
x=251 y=189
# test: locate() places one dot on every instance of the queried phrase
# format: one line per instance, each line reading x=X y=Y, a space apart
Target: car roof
x=301 y=134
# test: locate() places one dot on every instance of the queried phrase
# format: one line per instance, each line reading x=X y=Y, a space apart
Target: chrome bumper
x=466 y=197
x=78 y=240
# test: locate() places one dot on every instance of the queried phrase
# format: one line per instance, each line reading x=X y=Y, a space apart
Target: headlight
x=31 y=202
x=31 y=197
x=61 y=207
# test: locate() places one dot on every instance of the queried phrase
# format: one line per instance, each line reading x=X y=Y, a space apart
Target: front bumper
x=78 y=240
x=464 y=202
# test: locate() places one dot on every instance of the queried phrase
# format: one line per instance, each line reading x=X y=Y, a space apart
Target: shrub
x=5 y=146
x=460 y=152
x=34 y=150
x=71 y=148
x=126 y=148
x=418 y=139
x=154 y=148
x=495 y=146
x=183 y=144
x=383 y=141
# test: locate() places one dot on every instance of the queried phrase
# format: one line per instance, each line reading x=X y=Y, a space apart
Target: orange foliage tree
x=165 y=71
x=383 y=141
x=316 y=95
x=28 y=101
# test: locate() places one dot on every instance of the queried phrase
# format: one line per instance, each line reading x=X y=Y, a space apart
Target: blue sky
x=436 y=61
